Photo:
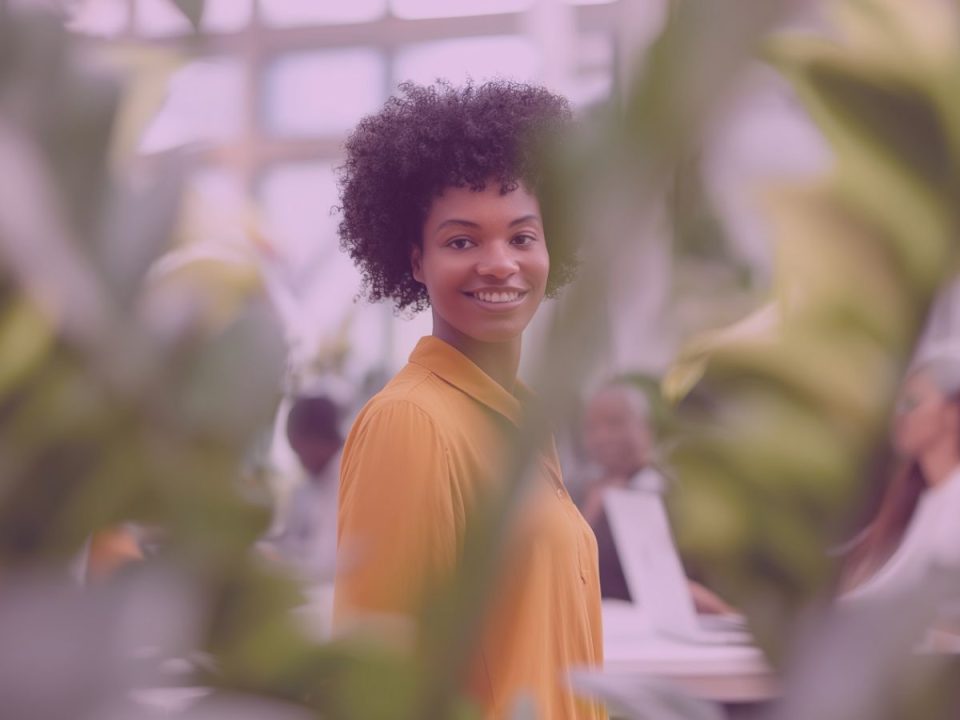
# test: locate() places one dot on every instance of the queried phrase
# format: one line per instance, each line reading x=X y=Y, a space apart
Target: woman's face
x=484 y=263
x=924 y=416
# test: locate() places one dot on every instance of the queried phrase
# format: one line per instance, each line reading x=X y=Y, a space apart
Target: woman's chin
x=496 y=333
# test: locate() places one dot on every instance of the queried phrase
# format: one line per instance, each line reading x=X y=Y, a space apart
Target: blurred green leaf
x=25 y=335
x=151 y=424
x=798 y=405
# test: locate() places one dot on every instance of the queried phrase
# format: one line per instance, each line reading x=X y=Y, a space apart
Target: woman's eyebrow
x=457 y=221
x=525 y=218
x=470 y=224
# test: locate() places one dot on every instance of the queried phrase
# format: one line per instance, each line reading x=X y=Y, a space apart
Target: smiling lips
x=498 y=297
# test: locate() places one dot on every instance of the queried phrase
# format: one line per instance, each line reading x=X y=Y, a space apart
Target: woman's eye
x=524 y=239
x=460 y=243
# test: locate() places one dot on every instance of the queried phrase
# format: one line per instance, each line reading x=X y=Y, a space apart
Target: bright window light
x=218 y=187
x=204 y=104
x=99 y=17
x=322 y=93
x=159 y=18
x=287 y=13
x=595 y=50
x=297 y=201
x=226 y=15
x=479 y=58
x=589 y=88
x=455 y=8
x=217 y=206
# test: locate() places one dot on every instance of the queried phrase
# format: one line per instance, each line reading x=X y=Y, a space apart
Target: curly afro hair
x=426 y=139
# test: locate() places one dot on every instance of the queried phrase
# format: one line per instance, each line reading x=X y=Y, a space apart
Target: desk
x=721 y=673
x=725 y=682
x=635 y=656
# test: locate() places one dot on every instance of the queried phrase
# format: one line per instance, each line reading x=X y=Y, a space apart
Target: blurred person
x=308 y=535
x=917 y=526
x=440 y=210
x=619 y=440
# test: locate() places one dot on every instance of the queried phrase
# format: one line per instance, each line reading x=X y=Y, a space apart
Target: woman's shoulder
x=398 y=427
x=412 y=395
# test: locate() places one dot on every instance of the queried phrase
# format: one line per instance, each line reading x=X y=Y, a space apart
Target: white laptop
x=654 y=573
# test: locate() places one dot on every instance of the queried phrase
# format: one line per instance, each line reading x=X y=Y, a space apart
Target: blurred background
x=275 y=85
x=768 y=226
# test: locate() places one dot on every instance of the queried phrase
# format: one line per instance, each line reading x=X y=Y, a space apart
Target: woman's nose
x=498 y=261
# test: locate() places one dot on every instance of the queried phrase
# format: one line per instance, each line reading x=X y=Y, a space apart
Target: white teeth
x=498 y=297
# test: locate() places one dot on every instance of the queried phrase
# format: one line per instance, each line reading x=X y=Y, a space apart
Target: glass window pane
x=595 y=51
x=100 y=17
x=226 y=15
x=482 y=58
x=156 y=18
x=286 y=13
x=204 y=103
x=297 y=202
x=216 y=207
x=455 y=8
x=219 y=188
x=589 y=88
x=317 y=93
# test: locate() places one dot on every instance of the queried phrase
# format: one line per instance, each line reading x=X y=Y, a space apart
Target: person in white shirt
x=618 y=439
x=916 y=531
x=308 y=538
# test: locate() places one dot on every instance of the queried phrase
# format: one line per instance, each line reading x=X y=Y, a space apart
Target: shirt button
x=560 y=492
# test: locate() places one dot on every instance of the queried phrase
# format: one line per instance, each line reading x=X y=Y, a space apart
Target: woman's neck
x=939 y=462
x=498 y=360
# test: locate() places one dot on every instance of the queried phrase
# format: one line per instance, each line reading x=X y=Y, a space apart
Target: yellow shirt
x=417 y=457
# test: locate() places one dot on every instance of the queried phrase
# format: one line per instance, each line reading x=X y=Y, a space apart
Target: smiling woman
x=441 y=210
x=484 y=264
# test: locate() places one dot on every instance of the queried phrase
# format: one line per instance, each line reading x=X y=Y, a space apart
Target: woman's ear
x=416 y=263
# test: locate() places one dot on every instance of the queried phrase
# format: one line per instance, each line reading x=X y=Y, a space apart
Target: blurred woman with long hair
x=917 y=526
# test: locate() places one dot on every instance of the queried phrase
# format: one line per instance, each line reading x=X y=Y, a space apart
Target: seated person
x=618 y=439
x=917 y=527
x=308 y=536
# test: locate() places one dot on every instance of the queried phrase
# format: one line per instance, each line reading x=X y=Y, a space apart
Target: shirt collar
x=454 y=367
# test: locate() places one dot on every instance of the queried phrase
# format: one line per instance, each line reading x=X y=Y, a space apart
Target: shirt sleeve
x=400 y=513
